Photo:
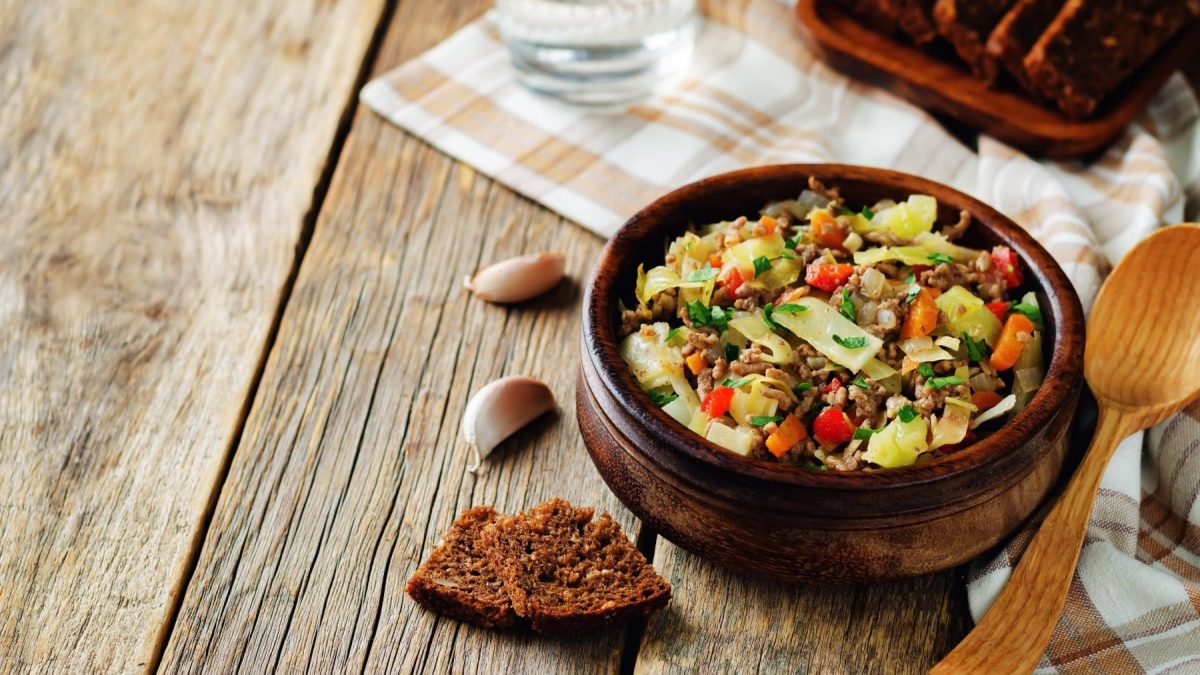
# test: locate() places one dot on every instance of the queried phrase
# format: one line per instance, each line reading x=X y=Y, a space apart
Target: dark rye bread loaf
x=458 y=580
x=1093 y=45
x=1015 y=35
x=567 y=573
x=967 y=25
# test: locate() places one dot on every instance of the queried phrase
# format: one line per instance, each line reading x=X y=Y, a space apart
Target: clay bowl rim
x=1063 y=377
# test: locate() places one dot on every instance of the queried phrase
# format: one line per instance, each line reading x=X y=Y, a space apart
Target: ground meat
x=742 y=369
x=837 y=398
x=894 y=404
x=720 y=370
x=704 y=340
x=785 y=402
x=632 y=319
x=832 y=194
x=867 y=401
x=845 y=461
x=978 y=275
x=801 y=452
x=958 y=229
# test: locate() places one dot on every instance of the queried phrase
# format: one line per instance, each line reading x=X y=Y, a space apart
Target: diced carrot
x=985 y=399
x=1017 y=331
x=922 y=316
x=769 y=223
x=826 y=231
x=934 y=291
x=714 y=260
x=696 y=363
x=790 y=432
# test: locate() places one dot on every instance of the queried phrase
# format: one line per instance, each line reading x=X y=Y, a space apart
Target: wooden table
x=235 y=353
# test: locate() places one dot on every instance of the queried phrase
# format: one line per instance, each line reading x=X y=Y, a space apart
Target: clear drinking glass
x=598 y=52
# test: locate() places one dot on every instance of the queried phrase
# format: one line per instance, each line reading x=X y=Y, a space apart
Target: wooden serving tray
x=941 y=84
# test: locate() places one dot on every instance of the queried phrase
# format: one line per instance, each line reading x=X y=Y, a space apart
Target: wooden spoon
x=1142 y=361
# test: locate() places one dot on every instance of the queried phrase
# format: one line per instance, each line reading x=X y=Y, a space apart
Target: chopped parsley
x=940 y=257
x=704 y=273
x=940 y=382
x=761 y=264
x=731 y=352
x=976 y=351
x=842 y=211
x=787 y=255
x=1029 y=310
x=762 y=421
x=767 y=312
x=714 y=316
x=660 y=399
x=850 y=342
x=861 y=383
x=802 y=387
x=672 y=333
x=847 y=307
x=792 y=242
x=867 y=213
x=925 y=370
x=864 y=433
x=913 y=292
x=735 y=384
x=907 y=414
x=911 y=278
x=789 y=308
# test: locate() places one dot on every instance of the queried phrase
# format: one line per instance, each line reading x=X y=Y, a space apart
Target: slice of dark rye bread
x=458 y=580
x=567 y=573
x=1092 y=46
x=1015 y=35
x=967 y=25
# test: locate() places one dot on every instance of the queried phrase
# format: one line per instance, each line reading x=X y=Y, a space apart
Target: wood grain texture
x=352 y=464
x=157 y=160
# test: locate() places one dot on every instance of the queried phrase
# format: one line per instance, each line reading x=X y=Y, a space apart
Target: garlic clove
x=518 y=279
x=501 y=408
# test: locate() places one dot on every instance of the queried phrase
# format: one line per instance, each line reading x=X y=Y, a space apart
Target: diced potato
x=910 y=218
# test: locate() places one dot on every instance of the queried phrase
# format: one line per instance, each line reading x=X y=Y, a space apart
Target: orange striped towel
x=1135 y=603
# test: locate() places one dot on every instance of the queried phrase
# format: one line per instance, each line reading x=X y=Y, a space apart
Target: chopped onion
x=985 y=382
x=873 y=283
x=853 y=242
x=1000 y=409
x=951 y=429
x=951 y=343
x=922 y=350
x=868 y=313
x=886 y=318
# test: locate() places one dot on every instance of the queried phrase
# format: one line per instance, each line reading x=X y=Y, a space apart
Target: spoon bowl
x=1140 y=359
x=1145 y=330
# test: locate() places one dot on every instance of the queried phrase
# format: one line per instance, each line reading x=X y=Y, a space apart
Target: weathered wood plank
x=157 y=160
x=725 y=622
x=351 y=464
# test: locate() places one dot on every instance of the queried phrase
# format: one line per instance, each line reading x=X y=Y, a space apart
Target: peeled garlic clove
x=499 y=409
x=518 y=279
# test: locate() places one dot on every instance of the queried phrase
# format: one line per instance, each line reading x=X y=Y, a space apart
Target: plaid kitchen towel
x=757 y=95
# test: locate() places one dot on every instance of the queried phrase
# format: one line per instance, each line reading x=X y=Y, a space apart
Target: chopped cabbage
x=898 y=444
x=951 y=429
x=909 y=218
x=679 y=410
x=777 y=350
x=819 y=324
x=659 y=279
x=753 y=404
x=999 y=410
x=966 y=313
x=922 y=350
x=883 y=374
x=737 y=441
x=936 y=242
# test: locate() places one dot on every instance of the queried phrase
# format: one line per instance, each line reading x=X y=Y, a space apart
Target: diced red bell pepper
x=832 y=426
x=999 y=308
x=733 y=282
x=831 y=386
x=717 y=401
x=828 y=276
x=918 y=269
x=1008 y=264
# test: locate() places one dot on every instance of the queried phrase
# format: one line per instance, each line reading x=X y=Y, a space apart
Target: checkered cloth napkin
x=757 y=95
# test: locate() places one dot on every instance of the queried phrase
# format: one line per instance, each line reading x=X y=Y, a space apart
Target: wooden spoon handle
x=1013 y=634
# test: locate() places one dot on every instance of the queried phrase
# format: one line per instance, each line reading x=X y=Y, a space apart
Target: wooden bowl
x=797 y=524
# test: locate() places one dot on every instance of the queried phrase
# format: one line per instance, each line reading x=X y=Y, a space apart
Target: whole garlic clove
x=500 y=409
x=518 y=279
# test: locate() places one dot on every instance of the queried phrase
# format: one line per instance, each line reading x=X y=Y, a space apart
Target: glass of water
x=598 y=52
